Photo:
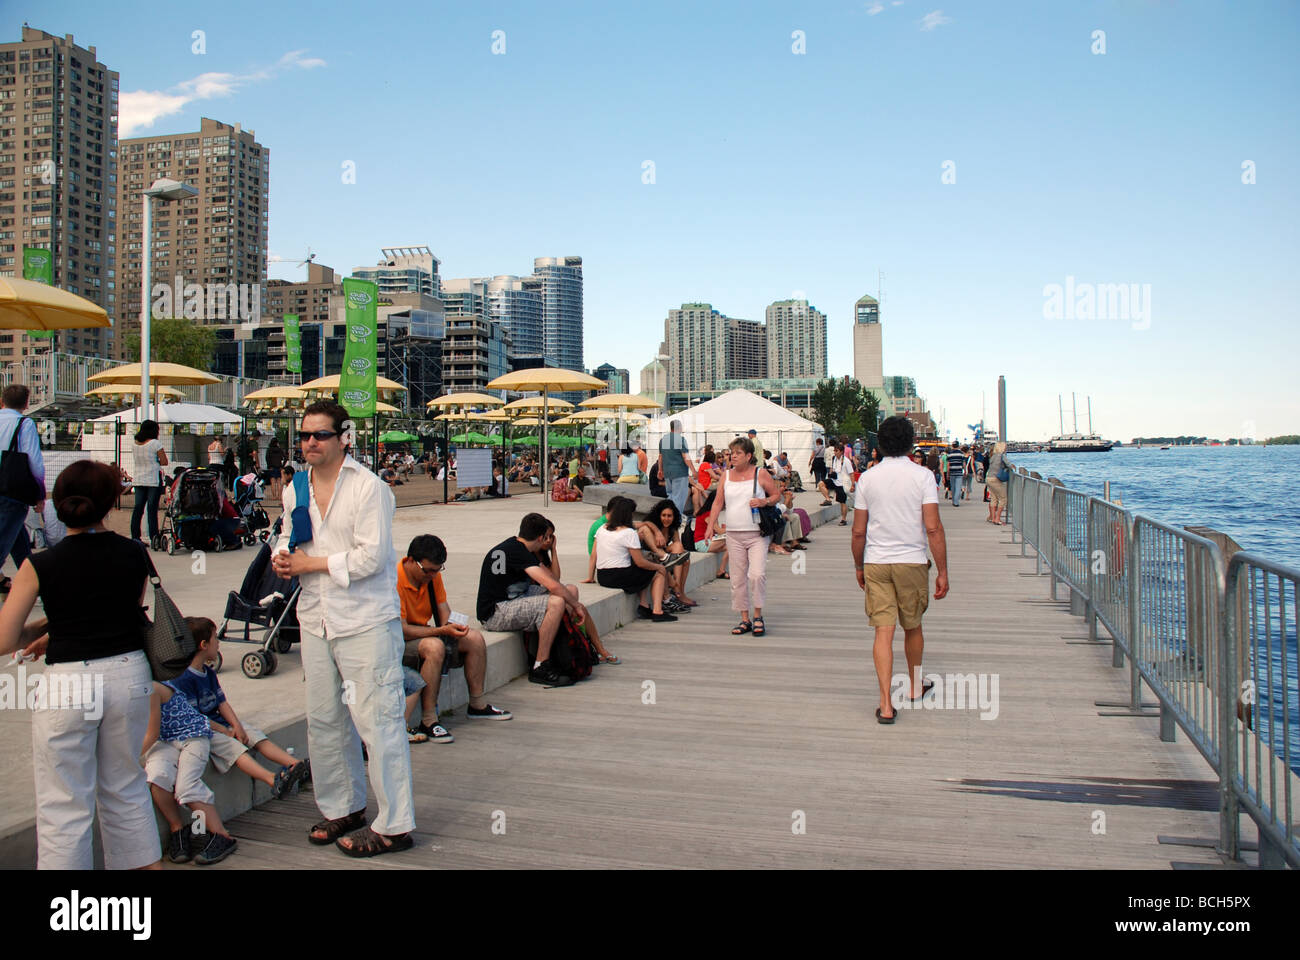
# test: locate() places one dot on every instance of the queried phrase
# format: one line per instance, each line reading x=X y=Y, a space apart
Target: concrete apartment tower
x=404 y=270
x=697 y=346
x=796 y=340
x=562 y=318
x=868 y=345
x=216 y=240
x=58 y=168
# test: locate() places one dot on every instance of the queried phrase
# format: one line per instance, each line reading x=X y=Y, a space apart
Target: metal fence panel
x=1069 y=543
x=1109 y=530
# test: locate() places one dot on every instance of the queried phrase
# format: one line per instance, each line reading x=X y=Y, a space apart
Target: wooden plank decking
x=745 y=732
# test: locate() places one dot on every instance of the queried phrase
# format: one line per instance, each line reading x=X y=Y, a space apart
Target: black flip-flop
x=925 y=688
x=880 y=719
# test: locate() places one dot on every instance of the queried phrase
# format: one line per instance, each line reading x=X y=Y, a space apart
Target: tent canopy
x=733 y=414
x=177 y=413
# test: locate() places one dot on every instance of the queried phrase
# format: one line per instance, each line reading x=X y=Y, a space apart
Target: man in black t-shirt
x=515 y=592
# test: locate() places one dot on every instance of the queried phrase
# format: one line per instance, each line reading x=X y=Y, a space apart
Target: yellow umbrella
x=331 y=385
x=538 y=403
x=160 y=374
x=546 y=379
x=123 y=390
x=620 y=401
x=28 y=305
x=449 y=400
x=275 y=393
x=580 y=417
x=381 y=407
x=534 y=422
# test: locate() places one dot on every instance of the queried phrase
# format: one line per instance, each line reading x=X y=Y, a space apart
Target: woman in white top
x=216 y=454
x=620 y=564
x=742 y=490
x=842 y=467
x=148 y=461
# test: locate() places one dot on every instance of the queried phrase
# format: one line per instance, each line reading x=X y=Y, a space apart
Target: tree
x=845 y=407
x=175 y=340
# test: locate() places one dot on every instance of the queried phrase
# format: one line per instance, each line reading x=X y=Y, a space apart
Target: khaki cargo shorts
x=897 y=593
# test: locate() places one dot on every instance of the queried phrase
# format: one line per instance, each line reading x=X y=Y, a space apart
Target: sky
x=987 y=158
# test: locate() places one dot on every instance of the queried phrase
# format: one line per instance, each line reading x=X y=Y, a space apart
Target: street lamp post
x=163 y=189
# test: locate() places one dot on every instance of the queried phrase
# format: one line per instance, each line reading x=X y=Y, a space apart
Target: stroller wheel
x=249 y=540
x=272 y=661
x=264 y=536
x=219 y=545
x=255 y=664
x=282 y=645
x=169 y=544
x=217 y=668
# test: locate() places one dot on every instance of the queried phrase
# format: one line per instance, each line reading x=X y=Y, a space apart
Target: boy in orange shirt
x=435 y=641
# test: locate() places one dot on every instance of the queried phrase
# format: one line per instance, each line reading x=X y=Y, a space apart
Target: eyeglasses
x=320 y=436
x=427 y=572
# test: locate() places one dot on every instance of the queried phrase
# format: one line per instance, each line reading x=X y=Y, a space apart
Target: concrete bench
x=638 y=493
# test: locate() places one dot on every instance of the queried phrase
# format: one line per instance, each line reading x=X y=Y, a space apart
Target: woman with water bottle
x=745 y=488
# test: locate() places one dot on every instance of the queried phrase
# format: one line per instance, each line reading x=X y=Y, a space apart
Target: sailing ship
x=1077 y=442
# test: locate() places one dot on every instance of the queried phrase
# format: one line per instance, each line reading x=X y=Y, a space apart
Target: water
x=1240 y=491
x=1245 y=492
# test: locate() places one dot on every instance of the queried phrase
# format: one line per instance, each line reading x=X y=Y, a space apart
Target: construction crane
x=303 y=262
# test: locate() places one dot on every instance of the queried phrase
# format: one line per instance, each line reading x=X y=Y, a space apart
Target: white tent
x=733 y=414
x=178 y=424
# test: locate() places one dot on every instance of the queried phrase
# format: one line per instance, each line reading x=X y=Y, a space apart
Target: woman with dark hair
x=149 y=458
x=621 y=565
x=228 y=470
x=661 y=534
x=87 y=761
x=629 y=467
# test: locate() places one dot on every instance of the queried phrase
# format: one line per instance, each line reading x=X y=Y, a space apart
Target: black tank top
x=90 y=586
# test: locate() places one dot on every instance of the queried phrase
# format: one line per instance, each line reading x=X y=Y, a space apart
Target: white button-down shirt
x=356 y=533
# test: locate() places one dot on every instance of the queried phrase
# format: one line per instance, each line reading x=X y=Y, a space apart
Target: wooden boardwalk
x=746 y=735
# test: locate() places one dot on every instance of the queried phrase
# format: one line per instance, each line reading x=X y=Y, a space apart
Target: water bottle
x=754 y=513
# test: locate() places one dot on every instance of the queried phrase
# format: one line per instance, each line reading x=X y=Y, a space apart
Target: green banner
x=292 y=344
x=38 y=266
x=357 y=379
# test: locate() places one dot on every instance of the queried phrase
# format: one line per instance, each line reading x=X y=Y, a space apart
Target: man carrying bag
x=22 y=473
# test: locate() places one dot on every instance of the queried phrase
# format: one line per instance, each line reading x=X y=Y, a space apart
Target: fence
x=1215 y=643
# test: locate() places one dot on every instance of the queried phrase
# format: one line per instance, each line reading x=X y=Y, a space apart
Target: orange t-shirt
x=642 y=459
x=416 y=607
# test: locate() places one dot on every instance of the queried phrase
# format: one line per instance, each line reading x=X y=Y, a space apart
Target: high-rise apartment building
x=697 y=346
x=654 y=379
x=562 y=317
x=868 y=345
x=404 y=270
x=746 y=349
x=58 y=176
x=208 y=252
x=902 y=397
x=618 y=379
x=796 y=340
x=517 y=303
x=309 y=299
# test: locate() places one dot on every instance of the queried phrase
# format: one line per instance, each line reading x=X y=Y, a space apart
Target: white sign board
x=474 y=468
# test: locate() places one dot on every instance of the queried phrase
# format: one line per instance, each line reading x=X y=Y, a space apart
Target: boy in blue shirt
x=232 y=742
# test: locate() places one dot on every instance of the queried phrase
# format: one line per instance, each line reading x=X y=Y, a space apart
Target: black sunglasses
x=320 y=435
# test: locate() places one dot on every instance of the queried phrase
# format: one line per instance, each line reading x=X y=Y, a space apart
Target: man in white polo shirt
x=896 y=514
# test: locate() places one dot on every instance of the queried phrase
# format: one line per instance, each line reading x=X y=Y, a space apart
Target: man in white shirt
x=896 y=513
x=352 y=644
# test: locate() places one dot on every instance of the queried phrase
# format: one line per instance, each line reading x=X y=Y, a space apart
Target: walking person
x=956 y=468
x=228 y=469
x=678 y=469
x=996 y=482
x=350 y=619
x=20 y=433
x=87 y=761
x=148 y=460
x=968 y=470
x=817 y=464
x=897 y=514
x=841 y=480
x=274 y=461
x=745 y=488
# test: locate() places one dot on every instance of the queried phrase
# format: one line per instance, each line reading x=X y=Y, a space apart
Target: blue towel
x=300 y=519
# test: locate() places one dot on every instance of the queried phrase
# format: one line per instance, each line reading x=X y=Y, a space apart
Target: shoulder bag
x=16 y=480
x=770 y=521
x=168 y=642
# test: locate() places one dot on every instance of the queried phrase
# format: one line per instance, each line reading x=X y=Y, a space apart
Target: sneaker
x=489 y=713
x=178 y=848
x=673 y=605
x=664 y=617
x=643 y=612
x=549 y=676
x=436 y=733
x=218 y=848
x=673 y=559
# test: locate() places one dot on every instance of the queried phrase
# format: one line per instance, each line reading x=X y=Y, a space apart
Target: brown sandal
x=334 y=829
x=367 y=843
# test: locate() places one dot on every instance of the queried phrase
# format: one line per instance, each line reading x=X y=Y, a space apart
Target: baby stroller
x=269 y=603
x=188 y=523
x=253 y=522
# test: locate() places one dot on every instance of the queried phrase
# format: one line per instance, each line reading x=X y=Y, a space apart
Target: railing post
x=1229 y=641
x=1089 y=608
x=1135 y=616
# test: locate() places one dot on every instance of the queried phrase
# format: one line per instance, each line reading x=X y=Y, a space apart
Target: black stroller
x=269 y=603
x=192 y=514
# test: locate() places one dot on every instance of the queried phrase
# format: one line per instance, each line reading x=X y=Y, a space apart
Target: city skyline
x=988 y=165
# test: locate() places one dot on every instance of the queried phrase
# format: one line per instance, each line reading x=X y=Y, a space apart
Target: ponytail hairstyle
x=84 y=493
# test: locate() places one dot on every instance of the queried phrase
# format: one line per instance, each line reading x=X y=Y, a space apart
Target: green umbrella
x=476 y=437
x=461 y=438
x=397 y=436
x=526 y=441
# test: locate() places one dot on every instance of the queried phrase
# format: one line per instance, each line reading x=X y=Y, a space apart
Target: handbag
x=16 y=480
x=168 y=642
x=770 y=521
x=1004 y=475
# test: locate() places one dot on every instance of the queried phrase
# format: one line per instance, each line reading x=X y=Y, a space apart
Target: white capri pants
x=83 y=762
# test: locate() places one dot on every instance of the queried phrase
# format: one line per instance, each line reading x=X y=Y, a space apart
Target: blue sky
x=780 y=174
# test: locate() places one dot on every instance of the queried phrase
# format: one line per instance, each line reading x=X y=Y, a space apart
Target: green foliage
x=845 y=407
x=176 y=340
x=1286 y=440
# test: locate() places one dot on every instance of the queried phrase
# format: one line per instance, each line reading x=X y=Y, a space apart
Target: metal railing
x=1261 y=753
x=1215 y=642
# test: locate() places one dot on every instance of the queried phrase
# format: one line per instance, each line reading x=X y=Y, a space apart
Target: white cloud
x=875 y=8
x=934 y=19
x=141 y=109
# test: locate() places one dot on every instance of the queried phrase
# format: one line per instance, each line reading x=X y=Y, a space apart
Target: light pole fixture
x=163 y=189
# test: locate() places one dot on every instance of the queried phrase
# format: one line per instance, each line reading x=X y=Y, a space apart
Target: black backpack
x=16 y=480
x=572 y=654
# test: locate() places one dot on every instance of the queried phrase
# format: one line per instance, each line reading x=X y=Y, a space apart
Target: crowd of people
x=378 y=636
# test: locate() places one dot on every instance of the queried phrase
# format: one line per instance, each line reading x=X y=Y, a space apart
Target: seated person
x=498 y=487
x=515 y=592
x=174 y=756
x=232 y=743
x=227 y=523
x=661 y=534
x=621 y=562
x=432 y=640
x=550 y=558
x=656 y=479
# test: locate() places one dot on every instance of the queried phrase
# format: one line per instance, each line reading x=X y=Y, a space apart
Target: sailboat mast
x=1090 y=416
x=1060 y=415
x=1074 y=412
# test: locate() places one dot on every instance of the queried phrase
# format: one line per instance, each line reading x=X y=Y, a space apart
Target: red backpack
x=572 y=654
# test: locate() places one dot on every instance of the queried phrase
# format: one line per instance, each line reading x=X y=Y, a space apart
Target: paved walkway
x=747 y=739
